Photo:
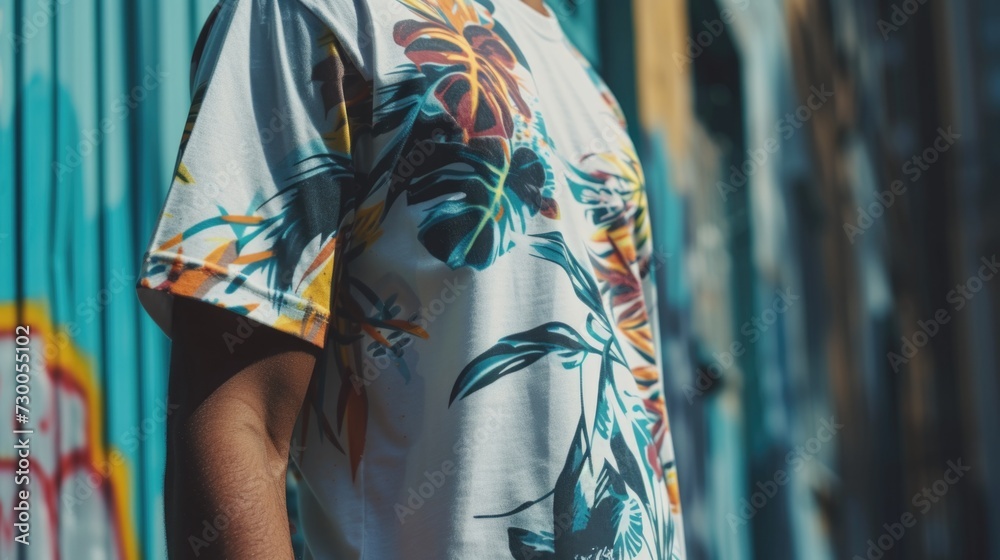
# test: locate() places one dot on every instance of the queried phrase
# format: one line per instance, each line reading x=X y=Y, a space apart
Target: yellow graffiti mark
x=77 y=367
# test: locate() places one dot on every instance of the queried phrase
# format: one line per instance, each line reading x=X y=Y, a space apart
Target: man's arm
x=228 y=440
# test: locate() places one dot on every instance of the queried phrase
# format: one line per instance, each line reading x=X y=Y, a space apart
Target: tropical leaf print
x=610 y=186
x=311 y=209
x=614 y=261
x=552 y=247
x=345 y=95
x=607 y=501
x=516 y=352
x=456 y=44
x=308 y=209
x=474 y=194
x=316 y=190
x=360 y=311
x=399 y=102
x=601 y=512
x=389 y=333
x=456 y=110
x=525 y=545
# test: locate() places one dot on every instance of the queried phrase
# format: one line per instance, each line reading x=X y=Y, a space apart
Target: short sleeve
x=264 y=176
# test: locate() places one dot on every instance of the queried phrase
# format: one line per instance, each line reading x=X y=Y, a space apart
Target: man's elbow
x=230 y=437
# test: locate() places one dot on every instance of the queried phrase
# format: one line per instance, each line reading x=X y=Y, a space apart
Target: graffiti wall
x=93 y=95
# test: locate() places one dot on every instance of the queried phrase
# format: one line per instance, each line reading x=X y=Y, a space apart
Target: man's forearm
x=226 y=485
x=228 y=438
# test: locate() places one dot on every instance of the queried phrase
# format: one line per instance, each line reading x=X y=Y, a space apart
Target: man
x=407 y=246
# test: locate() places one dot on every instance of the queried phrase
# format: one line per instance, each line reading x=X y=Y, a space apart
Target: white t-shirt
x=440 y=194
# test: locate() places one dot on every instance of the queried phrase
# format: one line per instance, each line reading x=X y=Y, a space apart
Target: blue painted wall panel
x=101 y=87
x=7 y=153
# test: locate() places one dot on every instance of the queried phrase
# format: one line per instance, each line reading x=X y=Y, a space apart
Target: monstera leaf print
x=454 y=111
x=477 y=193
x=470 y=61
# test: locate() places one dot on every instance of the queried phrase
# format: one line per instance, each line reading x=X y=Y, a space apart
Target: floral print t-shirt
x=442 y=196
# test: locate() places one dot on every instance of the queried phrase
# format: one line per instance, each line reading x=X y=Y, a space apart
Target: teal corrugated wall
x=93 y=98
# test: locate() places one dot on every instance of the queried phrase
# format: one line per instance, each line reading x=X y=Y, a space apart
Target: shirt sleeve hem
x=192 y=278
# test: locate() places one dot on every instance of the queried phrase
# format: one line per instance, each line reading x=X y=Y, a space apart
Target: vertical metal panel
x=617 y=53
x=150 y=178
x=36 y=103
x=8 y=162
x=36 y=107
x=93 y=95
x=130 y=428
x=7 y=151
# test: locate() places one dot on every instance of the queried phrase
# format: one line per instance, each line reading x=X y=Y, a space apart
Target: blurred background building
x=826 y=236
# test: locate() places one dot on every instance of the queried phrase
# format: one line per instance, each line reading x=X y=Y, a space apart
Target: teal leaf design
x=628 y=466
x=553 y=248
x=598 y=329
x=399 y=102
x=603 y=204
x=525 y=545
x=480 y=197
x=570 y=502
x=604 y=420
x=474 y=192
x=629 y=538
x=313 y=206
x=515 y=352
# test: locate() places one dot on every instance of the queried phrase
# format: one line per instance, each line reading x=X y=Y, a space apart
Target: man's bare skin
x=538 y=5
x=227 y=443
